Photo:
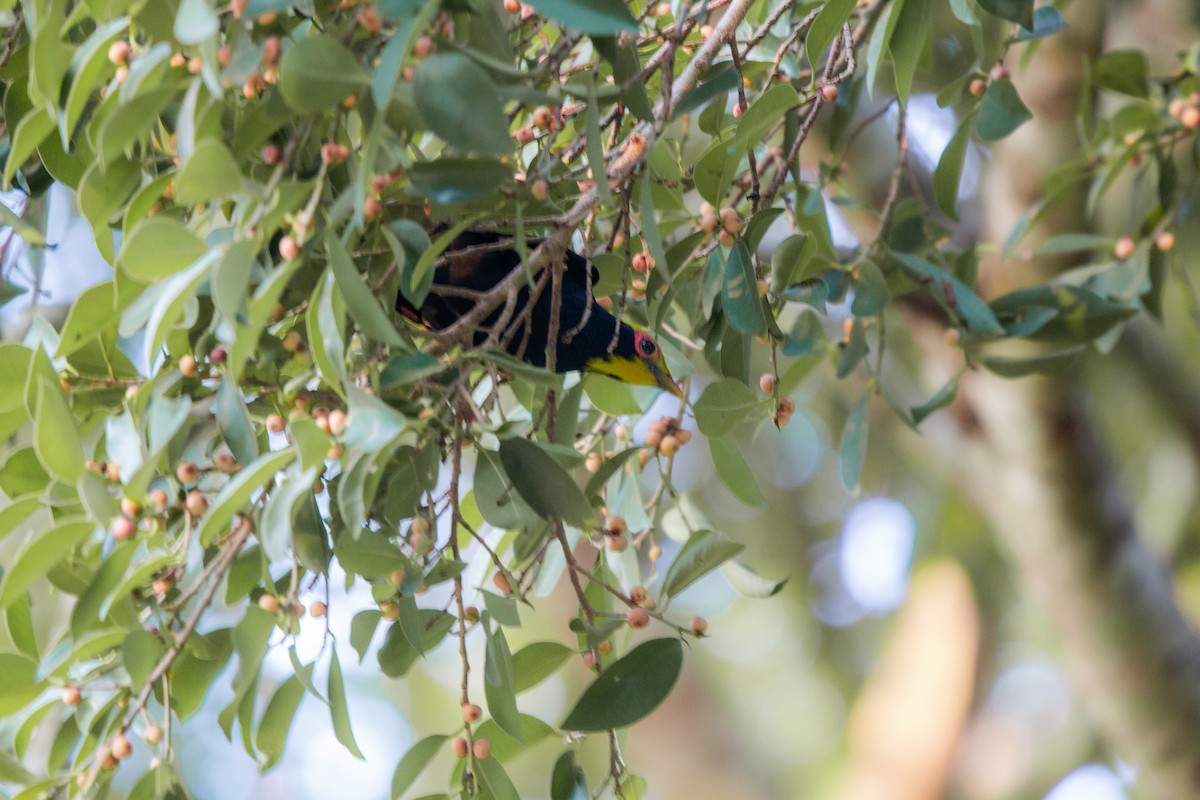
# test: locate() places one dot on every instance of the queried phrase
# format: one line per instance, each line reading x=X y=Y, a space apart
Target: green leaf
x=28 y=134
x=502 y=609
x=733 y=471
x=19 y=687
x=543 y=484
x=870 y=290
x=537 y=661
x=499 y=502
x=318 y=73
x=948 y=175
x=140 y=653
x=194 y=671
x=234 y=422
x=703 y=552
x=567 y=780
x=458 y=102
x=209 y=173
x=397 y=656
x=362 y=630
x=749 y=583
x=593 y=17
x=909 y=42
x=494 y=781
x=853 y=448
x=275 y=532
x=195 y=22
x=338 y=710
x=236 y=494
x=1047 y=21
x=739 y=293
x=276 y=722
x=1018 y=11
x=944 y=397
x=629 y=689
x=1123 y=71
x=1000 y=111
x=414 y=761
x=498 y=684
x=826 y=26
x=360 y=302
x=457 y=180
x=324 y=320
x=55 y=435
x=1020 y=366
x=93 y=312
x=977 y=314
x=724 y=405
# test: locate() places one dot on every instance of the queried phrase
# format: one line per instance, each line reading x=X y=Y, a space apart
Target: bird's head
x=636 y=359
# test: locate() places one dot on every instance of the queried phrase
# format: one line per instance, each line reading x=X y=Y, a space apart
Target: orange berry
x=614 y=524
x=195 y=503
x=337 y=424
x=238 y=7
x=589 y=659
x=684 y=436
x=121 y=747
x=999 y=71
x=638 y=594
x=471 y=713
x=372 y=208
x=460 y=748
x=978 y=87
x=124 y=529
x=153 y=735
x=224 y=54
x=225 y=462
x=130 y=508
x=186 y=472
x=593 y=463
x=1165 y=241
x=289 y=248
x=662 y=9
x=698 y=625
x=543 y=117
x=71 y=695
x=187 y=365
x=422 y=47
x=539 y=189
x=829 y=93
x=1124 y=248
x=268 y=18
x=637 y=617
x=158 y=498
x=276 y=423
x=725 y=238
x=119 y=52
x=331 y=153
x=640 y=263
x=669 y=445
x=730 y=221
x=1190 y=118
x=615 y=542
x=500 y=581
x=391 y=611
x=654 y=553
x=482 y=748
x=121 y=74
x=369 y=19
x=292 y=342
x=272 y=47
x=604 y=647
x=178 y=60
x=194 y=65
x=512 y=6
x=766 y=383
x=268 y=603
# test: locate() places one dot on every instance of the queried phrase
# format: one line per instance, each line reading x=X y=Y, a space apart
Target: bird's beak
x=664 y=381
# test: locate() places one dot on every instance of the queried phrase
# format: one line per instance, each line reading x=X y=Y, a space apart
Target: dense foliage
x=238 y=413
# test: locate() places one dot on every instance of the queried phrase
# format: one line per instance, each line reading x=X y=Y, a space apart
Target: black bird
x=476 y=261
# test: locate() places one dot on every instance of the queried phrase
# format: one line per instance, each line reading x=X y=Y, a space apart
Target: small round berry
x=730 y=220
x=177 y=60
x=124 y=529
x=289 y=248
x=121 y=747
x=512 y=6
x=952 y=337
x=767 y=383
x=276 y=423
x=669 y=445
x=500 y=581
x=459 y=747
x=370 y=20
x=194 y=65
x=195 y=503
x=604 y=648
x=999 y=71
x=225 y=462
x=372 y=208
x=539 y=189
x=1124 y=248
x=616 y=542
x=589 y=659
x=224 y=55
x=662 y=9
x=1165 y=241
x=725 y=238
x=829 y=93
x=543 y=117
x=422 y=47
x=977 y=87
x=272 y=47
x=637 y=617
x=269 y=603
x=524 y=135
x=292 y=341
x=653 y=439
x=638 y=594
x=71 y=695
x=654 y=553
x=153 y=735
x=482 y=748
x=337 y=422
x=640 y=263
x=187 y=365
x=119 y=52
x=397 y=577
x=331 y=153
x=161 y=586
x=186 y=472
x=471 y=713
x=1190 y=118
x=391 y=611
x=683 y=435
x=698 y=625
x=130 y=508
x=471 y=614
x=218 y=355
x=614 y=524
x=158 y=498
x=593 y=463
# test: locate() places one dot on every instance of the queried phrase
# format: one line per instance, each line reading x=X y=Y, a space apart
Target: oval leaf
x=549 y=490
x=629 y=689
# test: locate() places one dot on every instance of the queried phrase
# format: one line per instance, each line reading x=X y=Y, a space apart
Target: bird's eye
x=646 y=346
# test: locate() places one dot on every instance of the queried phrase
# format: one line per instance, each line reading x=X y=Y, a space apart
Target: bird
x=590 y=339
